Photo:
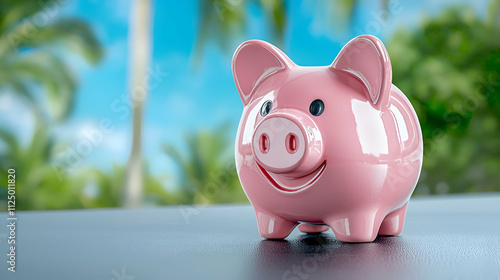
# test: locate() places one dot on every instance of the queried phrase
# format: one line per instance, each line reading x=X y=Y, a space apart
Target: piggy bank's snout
x=288 y=144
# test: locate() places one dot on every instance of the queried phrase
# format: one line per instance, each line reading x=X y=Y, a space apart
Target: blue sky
x=190 y=99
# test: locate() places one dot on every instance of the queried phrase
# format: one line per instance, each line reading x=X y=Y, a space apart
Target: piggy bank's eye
x=266 y=108
x=317 y=107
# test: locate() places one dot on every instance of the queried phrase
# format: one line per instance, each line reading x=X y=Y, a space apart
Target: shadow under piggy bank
x=322 y=256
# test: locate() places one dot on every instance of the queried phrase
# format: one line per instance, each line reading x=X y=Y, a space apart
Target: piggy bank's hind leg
x=308 y=228
x=362 y=226
x=393 y=222
x=272 y=226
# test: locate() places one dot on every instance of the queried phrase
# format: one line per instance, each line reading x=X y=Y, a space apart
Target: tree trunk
x=139 y=49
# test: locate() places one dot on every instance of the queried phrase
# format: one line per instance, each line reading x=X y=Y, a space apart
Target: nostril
x=291 y=143
x=264 y=143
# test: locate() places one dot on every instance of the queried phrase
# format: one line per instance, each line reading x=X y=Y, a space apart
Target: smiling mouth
x=294 y=185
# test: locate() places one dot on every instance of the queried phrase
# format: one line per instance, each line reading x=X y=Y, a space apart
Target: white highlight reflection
x=370 y=128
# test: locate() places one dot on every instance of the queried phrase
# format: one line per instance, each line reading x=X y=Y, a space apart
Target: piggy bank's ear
x=253 y=62
x=366 y=58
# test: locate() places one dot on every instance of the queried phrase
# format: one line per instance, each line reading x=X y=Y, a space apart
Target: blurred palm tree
x=31 y=40
x=450 y=70
x=140 y=45
x=207 y=168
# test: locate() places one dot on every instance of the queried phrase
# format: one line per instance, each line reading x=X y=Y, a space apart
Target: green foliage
x=450 y=70
x=37 y=185
x=208 y=169
x=31 y=40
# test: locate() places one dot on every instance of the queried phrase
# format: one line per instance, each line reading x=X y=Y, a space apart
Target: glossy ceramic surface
x=349 y=161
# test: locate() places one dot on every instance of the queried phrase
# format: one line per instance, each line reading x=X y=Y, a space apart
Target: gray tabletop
x=446 y=237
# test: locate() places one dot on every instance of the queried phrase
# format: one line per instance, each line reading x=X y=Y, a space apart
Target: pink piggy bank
x=337 y=146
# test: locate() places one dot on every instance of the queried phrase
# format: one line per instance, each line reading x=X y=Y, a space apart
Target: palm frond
x=13 y=11
x=75 y=34
x=48 y=70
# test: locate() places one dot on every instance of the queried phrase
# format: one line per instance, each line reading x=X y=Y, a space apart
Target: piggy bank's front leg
x=272 y=226
x=361 y=226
